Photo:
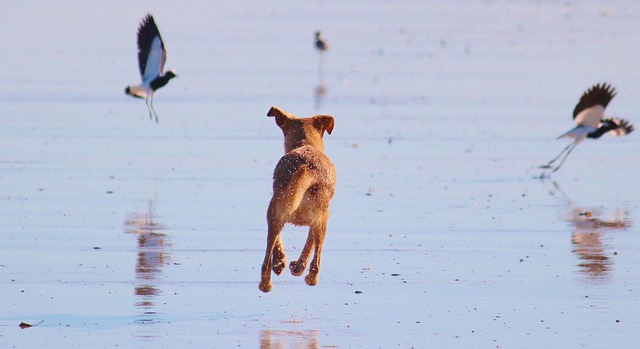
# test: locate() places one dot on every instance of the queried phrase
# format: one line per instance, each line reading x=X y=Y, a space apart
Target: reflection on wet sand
x=587 y=239
x=152 y=256
x=320 y=90
x=283 y=339
x=589 y=231
x=320 y=93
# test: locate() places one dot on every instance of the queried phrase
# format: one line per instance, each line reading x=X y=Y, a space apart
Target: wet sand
x=115 y=231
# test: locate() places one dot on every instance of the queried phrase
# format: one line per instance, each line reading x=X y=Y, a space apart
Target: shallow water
x=115 y=231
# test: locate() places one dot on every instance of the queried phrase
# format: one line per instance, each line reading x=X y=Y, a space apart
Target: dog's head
x=302 y=131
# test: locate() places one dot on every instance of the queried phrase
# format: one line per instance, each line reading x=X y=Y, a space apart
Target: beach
x=117 y=231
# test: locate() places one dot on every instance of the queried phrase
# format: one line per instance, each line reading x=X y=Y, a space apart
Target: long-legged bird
x=589 y=117
x=151 y=58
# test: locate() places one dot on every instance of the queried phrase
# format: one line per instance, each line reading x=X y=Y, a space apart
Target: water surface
x=115 y=231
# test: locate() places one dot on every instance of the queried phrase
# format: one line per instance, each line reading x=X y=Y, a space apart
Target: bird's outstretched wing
x=590 y=109
x=620 y=127
x=151 y=52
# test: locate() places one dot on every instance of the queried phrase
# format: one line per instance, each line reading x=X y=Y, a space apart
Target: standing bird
x=151 y=58
x=590 y=120
x=321 y=45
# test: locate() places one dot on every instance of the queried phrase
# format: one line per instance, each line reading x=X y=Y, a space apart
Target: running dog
x=304 y=182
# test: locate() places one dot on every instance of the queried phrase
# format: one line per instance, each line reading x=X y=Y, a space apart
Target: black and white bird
x=151 y=58
x=591 y=122
x=321 y=45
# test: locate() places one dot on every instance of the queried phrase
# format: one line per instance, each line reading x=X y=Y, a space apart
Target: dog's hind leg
x=279 y=258
x=297 y=267
x=318 y=232
x=275 y=227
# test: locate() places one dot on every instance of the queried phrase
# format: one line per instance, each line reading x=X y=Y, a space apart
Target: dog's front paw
x=296 y=268
x=265 y=286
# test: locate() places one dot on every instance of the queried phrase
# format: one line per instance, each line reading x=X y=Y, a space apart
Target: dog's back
x=304 y=182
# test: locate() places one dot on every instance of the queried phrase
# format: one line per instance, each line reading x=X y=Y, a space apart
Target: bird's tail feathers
x=136 y=91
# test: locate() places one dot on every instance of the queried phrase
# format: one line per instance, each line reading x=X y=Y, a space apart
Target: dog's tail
x=290 y=196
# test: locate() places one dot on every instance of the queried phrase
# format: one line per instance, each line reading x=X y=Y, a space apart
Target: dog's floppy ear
x=323 y=123
x=280 y=115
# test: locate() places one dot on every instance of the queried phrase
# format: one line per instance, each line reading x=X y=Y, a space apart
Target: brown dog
x=304 y=182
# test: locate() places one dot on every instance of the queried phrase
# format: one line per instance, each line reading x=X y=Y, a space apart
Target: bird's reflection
x=319 y=93
x=283 y=339
x=320 y=90
x=591 y=228
x=151 y=258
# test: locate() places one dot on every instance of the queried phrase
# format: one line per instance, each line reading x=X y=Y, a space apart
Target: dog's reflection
x=152 y=256
x=283 y=339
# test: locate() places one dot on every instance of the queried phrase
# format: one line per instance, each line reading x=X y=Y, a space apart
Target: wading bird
x=590 y=120
x=151 y=58
x=321 y=45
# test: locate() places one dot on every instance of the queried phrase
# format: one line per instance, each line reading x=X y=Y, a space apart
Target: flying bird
x=321 y=45
x=589 y=117
x=151 y=58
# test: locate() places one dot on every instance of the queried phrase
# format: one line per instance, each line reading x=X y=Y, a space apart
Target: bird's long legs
x=154 y=111
x=146 y=102
x=548 y=165
x=566 y=151
x=565 y=156
x=149 y=103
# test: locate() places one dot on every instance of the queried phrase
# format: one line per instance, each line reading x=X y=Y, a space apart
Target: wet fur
x=304 y=182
